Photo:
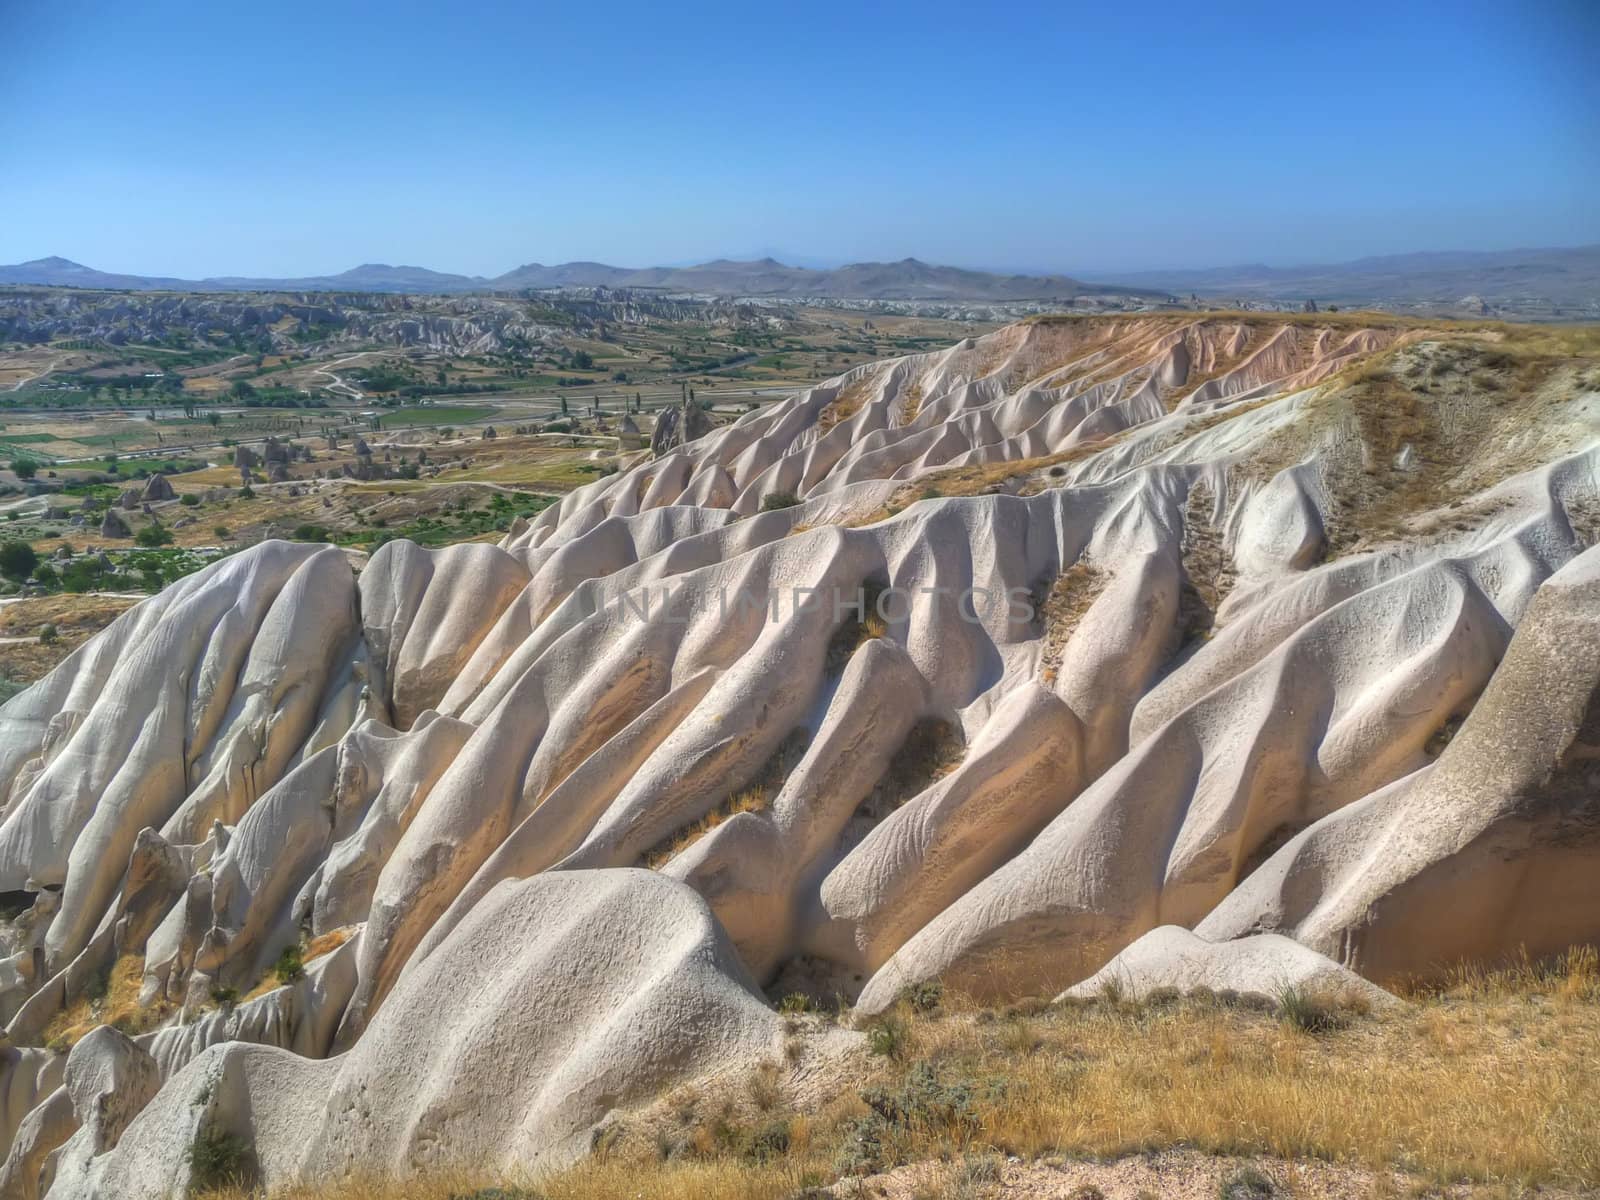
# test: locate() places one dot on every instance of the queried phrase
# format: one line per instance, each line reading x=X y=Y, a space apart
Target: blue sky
x=228 y=138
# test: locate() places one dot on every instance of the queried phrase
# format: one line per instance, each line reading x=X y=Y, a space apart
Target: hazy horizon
x=1093 y=275
x=193 y=141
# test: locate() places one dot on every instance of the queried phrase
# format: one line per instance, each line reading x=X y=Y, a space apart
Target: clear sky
x=295 y=137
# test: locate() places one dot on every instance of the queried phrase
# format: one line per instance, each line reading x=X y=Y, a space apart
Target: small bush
x=46 y=574
x=309 y=533
x=225 y=998
x=247 y=492
x=769 y=1142
x=290 y=965
x=220 y=531
x=924 y=997
x=773 y=501
x=887 y=1037
x=795 y=1002
x=925 y=1101
x=218 y=1159
x=152 y=536
x=188 y=500
x=764 y=1090
x=1307 y=1013
x=48 y=635
x=1247 y=1183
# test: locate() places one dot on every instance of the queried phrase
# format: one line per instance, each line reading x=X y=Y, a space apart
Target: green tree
x=17 y=559
x=25 y=468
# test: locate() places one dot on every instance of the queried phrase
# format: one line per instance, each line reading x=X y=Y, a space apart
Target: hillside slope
x=979 y=666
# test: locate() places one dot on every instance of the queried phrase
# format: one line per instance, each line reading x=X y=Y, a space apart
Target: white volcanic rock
x=1490 y=850
x=1264 y=964
x=578 y=992
x=1166 y=640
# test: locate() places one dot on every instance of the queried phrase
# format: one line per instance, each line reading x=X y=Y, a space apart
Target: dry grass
x=756 y=796
x=978 y=479
x=750 y=799
x=114 y=1002
x=1469 y=406
x=1488 y=1080
x=77 y=618
x=848 y=402
x=327 y=943
x=1069 y=597
x=911 y=403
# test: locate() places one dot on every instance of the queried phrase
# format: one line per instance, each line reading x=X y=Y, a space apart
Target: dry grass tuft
x=327 y=943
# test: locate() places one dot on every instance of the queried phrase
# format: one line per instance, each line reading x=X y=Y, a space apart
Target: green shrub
x=290 y=965
x=310 y=533
x=220 y=531
x=189 y=499
x=152 y=536
x=225 y=998
x=924 y=997
x=48 y=636
x=46 y=574
x=795 y=1002
x=886 y=1037
x=773 y=501
x=769 y=1142
x=218 y=1159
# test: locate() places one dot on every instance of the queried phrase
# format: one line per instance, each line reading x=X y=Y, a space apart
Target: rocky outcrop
x=1127 y=646
x=156 y=489
x=636 y=988
x=676 y=426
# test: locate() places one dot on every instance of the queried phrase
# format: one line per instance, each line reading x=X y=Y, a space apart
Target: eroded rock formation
x=1286 y=633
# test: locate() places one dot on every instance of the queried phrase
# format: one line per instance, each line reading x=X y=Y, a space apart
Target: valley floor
x=1483 y=1089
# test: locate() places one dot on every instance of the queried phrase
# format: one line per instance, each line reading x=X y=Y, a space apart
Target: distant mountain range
x=1569 y=276
x=904 y=280
x=1551 y=279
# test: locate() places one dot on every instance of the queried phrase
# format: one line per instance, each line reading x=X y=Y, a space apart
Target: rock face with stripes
x=1095 y=644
